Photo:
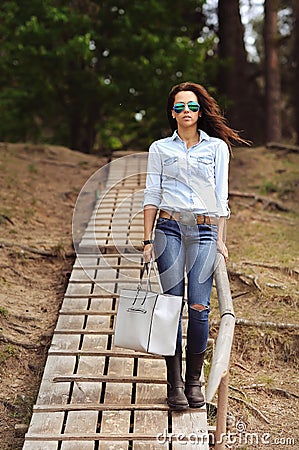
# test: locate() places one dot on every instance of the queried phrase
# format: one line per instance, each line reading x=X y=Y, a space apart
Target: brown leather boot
x=193 y=391
x=176 y=398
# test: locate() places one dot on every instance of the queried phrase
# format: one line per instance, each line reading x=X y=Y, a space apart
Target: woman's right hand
x=148 y=253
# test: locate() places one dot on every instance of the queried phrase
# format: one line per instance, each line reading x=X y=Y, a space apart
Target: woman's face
x=186 y=118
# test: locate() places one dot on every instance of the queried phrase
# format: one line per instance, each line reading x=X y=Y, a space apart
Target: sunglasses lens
x=179 y=107
x=193 y=106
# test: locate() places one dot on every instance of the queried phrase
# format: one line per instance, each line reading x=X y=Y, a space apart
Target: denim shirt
x=193 y=179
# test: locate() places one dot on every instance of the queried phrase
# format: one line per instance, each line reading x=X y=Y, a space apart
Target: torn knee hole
x=199 y=307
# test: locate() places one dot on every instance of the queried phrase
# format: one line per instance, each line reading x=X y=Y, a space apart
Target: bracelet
x=148 y=241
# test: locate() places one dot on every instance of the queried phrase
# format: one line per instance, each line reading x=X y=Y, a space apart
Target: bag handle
x=148 y=267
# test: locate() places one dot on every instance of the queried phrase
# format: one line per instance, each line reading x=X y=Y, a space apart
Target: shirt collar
x=203 y=135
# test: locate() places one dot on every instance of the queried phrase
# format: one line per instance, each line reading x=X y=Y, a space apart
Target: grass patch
x=22 y=408
x=7 y=352
x=83 y=163
x=268 y=187
x=3 y=311
x=32 y=168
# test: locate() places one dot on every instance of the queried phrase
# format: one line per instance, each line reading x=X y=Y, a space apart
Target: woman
x=187 y=181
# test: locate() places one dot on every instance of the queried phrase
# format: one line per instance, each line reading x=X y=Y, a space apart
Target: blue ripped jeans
x=192 y=249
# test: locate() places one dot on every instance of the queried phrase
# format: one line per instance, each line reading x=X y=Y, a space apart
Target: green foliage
x=72 y=72
x=3 y=311
x=7 y=352
x=32 y=168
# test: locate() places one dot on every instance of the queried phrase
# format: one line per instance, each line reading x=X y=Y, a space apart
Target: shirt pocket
x=171 y=167
x=205 y=166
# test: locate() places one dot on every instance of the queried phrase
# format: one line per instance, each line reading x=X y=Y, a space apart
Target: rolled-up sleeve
x=152 y=191
x=221 y=179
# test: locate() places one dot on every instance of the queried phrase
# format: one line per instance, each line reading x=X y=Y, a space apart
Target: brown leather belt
x=199 y=219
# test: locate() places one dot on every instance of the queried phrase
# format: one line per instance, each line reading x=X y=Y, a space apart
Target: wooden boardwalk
x=94 y=395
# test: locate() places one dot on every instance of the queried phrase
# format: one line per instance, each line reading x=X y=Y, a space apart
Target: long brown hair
x=211 y=120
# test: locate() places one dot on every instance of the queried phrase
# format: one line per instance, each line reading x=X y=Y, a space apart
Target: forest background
x=94 y=75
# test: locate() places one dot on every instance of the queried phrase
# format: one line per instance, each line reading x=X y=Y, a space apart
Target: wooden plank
x=90 y=312
x=99 y=407
x=105 y=220
x=109 y=378
x=74 y=303
x=79 y=289
x=110 y=266
x=116 y=437
x=84 y=331
x=193 y=425
x=120 y=445
x=108 y=260
x=104 y=215
x=155 y=394
x=117 y=241
x=101 y=288
x=132 y=274
x=84 y=260
x=118 y=278
x=65 y=342
x=70 y=321
x=119 y=229
x=102 y=256
x=40 y=445
x=45 y=423
x=108 y=217
x=58 y=366
x=101 y=323
x=79 y=445
x=89 y=392
x=129 y=260
x=102 y=222
x=91 y=366
x=149 y=422
x=82 y=274
x=94 y=342
x=54 y=393
x=100 y=238
x=82 y=422
x=103 y=304
x=116 y=351
x=100 y=252
x=143 y=445
x=115 y=423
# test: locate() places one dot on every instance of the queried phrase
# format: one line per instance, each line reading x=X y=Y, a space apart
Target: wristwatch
x=148 y=241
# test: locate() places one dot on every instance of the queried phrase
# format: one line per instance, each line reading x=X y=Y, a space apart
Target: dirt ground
x=39 y=188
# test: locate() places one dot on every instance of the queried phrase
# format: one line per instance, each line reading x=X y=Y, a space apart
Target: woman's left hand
x=221 y=248
x=148 y=253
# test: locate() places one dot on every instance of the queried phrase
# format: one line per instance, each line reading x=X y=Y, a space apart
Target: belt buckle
x=187 y=218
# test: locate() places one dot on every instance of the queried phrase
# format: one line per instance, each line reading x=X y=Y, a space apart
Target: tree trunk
x=296 y=71
x=83 y=130
x=236 y=79
x=272 y=72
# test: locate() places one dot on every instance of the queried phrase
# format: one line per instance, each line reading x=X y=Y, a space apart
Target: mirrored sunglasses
x=192 y=106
